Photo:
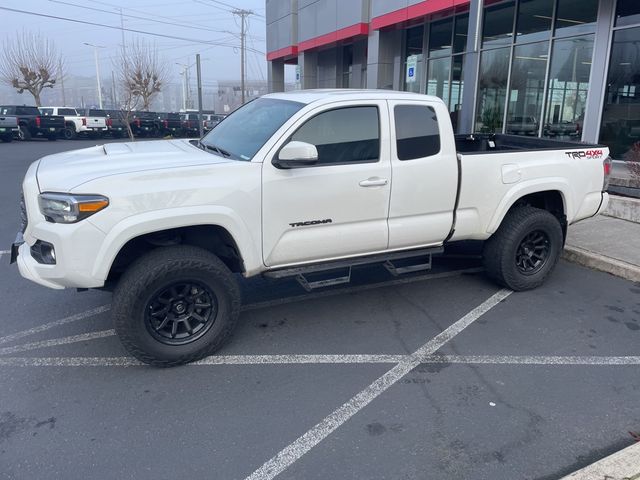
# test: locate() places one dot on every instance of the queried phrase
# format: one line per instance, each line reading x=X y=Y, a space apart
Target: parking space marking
x=533 y=360
x=55 y=323
x=293 y=452
x=57 y=341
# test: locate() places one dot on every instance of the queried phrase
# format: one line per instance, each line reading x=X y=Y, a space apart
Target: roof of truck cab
x=320 y=95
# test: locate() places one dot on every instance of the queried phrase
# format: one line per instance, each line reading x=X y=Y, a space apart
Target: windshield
x=244 y=132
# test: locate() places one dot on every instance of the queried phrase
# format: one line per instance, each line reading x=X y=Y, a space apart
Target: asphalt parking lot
x=443 y=376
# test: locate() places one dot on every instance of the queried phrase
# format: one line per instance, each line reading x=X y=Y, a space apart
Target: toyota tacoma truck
x=8 y=127
x=303 y=184
x=31 y=123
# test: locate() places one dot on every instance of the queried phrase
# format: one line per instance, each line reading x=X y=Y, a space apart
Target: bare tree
x=30 y=62
x=146 y=74
x=129 y=98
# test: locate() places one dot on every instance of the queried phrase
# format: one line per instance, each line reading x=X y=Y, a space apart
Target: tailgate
x=52 y=121
x=96 y=122
x=8 y=122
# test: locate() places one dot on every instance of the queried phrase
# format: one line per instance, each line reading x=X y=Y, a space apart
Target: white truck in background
x=76 y=124
x=293 y=184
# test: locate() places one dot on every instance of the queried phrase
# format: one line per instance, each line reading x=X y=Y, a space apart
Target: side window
x=344 y=135
x=417 y=134
x=46 y=111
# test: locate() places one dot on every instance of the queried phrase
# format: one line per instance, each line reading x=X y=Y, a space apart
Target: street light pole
x=95 y=52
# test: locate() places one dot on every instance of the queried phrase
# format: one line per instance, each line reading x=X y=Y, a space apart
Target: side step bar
x=339 y=271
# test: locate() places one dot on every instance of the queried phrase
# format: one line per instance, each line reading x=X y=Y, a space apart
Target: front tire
x=175 y=305
x=525 y=249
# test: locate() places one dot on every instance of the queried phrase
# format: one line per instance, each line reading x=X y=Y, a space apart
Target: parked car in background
x=75 y=124
x=8 y=127
x=170 y=124
x=190 y=125
x=562 y=129
x=211 y=120
x=523 y=126
x=116 y=124
x=97 y=124
x=31 y=123
x=145 y=124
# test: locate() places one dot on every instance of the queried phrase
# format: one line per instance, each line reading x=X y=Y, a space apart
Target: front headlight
x=66 y=208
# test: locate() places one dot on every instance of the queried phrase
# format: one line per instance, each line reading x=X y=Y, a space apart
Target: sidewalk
x=623 y=465
x=607 y=244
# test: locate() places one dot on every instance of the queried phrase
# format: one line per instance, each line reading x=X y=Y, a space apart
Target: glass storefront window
x=497 y=27
x=413 y=59
x=620 y=128
x=492 y=90
x=460 y=33
x=438 y=80
x=574 y=17
x=440 y=37
x=527 y=89
x=457 y=87
x=534 y=20
x=568 y=86
x=628 y=12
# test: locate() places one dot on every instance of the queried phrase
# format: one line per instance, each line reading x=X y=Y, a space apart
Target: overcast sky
x=196 y=20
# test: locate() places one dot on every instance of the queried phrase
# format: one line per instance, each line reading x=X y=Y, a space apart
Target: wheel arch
x=551 y=197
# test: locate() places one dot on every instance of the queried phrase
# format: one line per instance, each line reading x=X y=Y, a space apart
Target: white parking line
x=57 y=341
x=214 y=360
x=533 y=360
x=55 y=323
x=306 y=442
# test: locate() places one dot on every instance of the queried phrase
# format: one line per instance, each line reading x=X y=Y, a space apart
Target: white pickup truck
x=76 y=124
x=293 y=184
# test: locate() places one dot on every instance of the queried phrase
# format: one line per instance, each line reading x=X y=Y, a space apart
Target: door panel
x=425 y=174
x=339 y=207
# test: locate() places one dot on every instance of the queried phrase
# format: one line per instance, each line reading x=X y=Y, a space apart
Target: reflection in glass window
x=497 y=28
x=413 y=59
x=628 y=12
x=568 y=86
x=576 y=16
x=620 y=128
x=438 y=80
x=345 y=135
x=347 y=66
x=492 y=90
x=417 y=134
x=440 y=37
x=534 y=20
x=527 y=89
x=460 y=33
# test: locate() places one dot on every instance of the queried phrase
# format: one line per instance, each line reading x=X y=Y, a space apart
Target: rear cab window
x=417 y=132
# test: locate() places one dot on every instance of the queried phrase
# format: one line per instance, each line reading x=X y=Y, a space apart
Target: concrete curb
x=622 y=465
x=624 y=208
x=603 y=263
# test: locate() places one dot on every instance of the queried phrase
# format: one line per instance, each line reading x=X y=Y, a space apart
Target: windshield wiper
x=216 y=149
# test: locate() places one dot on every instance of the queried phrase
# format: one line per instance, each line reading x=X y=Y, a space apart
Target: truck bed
x=476 y=143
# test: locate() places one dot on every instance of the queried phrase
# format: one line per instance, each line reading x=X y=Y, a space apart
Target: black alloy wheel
x=181 y=313
x=533 y=252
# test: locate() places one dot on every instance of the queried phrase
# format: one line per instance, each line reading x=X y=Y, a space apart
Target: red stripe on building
x=414 y=11
x=290 y=51
x=342 y=34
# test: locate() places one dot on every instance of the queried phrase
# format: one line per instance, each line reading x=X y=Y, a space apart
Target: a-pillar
x=383 y=59
x=275 y=76
x=308 y=63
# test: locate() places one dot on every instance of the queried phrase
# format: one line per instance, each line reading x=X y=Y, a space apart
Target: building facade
x=566 y=69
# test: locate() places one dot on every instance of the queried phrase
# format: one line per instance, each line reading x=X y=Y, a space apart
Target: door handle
x=374 y=182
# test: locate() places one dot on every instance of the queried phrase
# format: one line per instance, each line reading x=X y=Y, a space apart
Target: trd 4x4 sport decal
x=588 y=154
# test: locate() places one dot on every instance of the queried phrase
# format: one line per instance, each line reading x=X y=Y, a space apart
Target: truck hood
x=65 y=171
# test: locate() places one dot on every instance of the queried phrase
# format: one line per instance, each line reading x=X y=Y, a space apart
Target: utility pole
x=124 y=51
x=113 y=91
x=243 y=14
x=198 y=74
x=64 y=97
x=95 y=52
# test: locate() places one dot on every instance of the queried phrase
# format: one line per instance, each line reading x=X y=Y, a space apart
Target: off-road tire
x=23 y=133
x=500 y=250
x=69 y=133
x=161 y=267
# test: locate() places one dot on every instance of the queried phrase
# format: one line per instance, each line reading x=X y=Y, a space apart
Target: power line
x=137 y=17
x=142 y=32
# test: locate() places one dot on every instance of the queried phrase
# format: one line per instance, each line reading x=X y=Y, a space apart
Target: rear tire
x=24 y=133
x=525 y=249
x=180 y=285
x=69 y=133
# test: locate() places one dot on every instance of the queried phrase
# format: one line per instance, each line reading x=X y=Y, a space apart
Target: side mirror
x=297 y=154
